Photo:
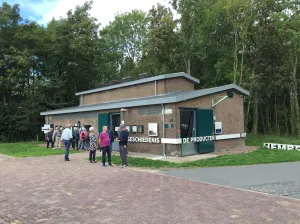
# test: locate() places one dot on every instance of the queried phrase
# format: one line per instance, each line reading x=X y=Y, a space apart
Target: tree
x=161 y=52
x=124 y=39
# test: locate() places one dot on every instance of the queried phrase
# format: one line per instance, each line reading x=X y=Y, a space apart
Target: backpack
x=82 y=135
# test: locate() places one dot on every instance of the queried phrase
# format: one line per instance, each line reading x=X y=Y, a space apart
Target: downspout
x=163 y=119
x=155 y=90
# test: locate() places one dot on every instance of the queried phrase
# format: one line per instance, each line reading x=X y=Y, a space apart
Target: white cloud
x=103 y=10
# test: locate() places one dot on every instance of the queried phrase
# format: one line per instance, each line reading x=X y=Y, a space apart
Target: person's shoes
x=67 y=160
x=121 y=166
x=53 y=148
x=91 y=161
x=103 y=165
x=110 y=164
x=94 y=162
x=124 y=166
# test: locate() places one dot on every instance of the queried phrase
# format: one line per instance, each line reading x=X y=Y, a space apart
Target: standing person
x=66 y=137
x=104 y=142
x=123 y=139
x=50 y=139
x=93 y=145
x=83 y=136
x=111 y=137
x=75 y=138
x=57 y=138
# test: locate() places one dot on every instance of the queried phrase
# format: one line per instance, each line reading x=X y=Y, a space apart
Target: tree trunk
x=235 y=63
x=242 y=65
x=255 y=113
x=188 y=66
x=292 y=118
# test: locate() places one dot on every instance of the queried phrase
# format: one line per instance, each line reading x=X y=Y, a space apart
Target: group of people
x=81 y=138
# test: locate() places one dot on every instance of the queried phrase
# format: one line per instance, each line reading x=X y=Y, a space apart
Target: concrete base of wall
x=229 y=144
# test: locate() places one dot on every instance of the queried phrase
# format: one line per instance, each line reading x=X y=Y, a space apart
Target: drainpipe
x=155 y=88
x=163 y=119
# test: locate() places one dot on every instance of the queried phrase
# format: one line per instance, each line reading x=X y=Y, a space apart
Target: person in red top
x=104 y=142
x=83 y=137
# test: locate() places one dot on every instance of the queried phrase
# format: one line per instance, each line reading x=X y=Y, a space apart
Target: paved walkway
x=49 y=190
x=281 y=179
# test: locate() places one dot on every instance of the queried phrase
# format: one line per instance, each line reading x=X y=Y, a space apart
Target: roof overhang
x=147 y=101
x=141 y=81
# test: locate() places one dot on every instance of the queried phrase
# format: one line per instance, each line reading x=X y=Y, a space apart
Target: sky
x=42 y=11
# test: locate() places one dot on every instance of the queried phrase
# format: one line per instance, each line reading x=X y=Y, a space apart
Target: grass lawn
x=252 y=140
x=260 y=156
x=28 y=149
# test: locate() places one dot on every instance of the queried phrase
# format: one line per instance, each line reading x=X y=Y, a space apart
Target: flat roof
x=141 y=81
x=147 y=101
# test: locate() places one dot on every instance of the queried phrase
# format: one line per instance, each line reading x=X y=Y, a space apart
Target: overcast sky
x=43 y=11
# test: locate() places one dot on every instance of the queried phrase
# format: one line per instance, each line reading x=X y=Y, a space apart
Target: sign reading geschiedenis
x=182 y=140
x=281 y=146
x=144 y=140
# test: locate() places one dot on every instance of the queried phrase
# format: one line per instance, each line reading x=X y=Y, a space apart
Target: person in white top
x=66 y=137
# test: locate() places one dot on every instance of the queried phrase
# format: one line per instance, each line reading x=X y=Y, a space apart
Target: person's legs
x=122 y=154
x=104 y=155
x=56 y=142
x=59 y=143
x=67 y=144
x=48 y=142
x=83 y=144
x=76 y=142
x=109 y=155
x=52 y=144
x=91 y=154
x=125 y=155
x=94 y=155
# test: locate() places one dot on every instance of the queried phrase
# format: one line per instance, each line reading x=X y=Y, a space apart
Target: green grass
x=259 y=140
x=261 y=156
x=28 y=149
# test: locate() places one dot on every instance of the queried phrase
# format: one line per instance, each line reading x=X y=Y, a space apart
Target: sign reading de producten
x=281 y=146
x=182 y=140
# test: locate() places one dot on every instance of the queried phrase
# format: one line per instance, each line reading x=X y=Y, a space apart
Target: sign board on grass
x=281 y=146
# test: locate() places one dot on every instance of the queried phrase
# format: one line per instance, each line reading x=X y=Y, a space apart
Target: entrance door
x=103 y=120
x=205 y=127
x=188 y=130
x=115 y=121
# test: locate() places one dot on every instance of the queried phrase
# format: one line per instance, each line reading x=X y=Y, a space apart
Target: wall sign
x=281 y=146
x=179 y=140
x=218 y=128
x=144 y=140
x=140 y=128
x=197 y=139
x=152 y=129
x=46 y=128
x=133 y=128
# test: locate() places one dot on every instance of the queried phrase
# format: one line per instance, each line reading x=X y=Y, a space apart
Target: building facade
x=164 y=114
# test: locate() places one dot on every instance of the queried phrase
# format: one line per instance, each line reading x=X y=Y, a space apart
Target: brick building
x=164 y=114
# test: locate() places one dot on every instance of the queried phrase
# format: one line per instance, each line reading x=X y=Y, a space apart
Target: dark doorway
x=115 y=121
x=187 y=131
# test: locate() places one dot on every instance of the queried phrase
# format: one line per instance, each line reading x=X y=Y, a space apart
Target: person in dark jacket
x=50 y=138
x=75 y=135
x=123 y=139
x=111 y=136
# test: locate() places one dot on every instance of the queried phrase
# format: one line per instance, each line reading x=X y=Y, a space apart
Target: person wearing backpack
x=83 y=138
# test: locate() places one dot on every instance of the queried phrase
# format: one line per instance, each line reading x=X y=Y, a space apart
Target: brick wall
x=151 y=114
x=137 y=91
x=230 y=112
